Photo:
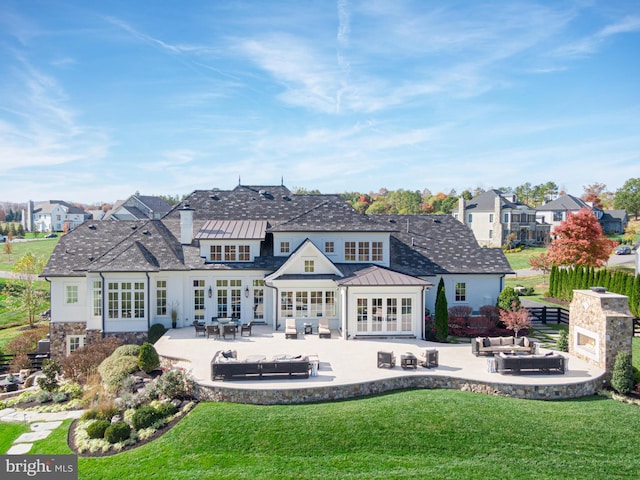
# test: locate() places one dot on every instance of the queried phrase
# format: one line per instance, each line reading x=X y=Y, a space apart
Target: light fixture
x=246 y=292
x=210 y=292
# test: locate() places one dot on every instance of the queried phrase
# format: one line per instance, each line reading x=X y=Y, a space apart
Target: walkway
x=41 y=424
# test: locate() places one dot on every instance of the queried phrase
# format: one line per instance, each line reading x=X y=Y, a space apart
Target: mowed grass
x=9 y=432
x=41 y=248
x=410 y=434
x=520 y=260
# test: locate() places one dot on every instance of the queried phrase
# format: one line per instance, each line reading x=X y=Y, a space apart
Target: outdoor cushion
x=521 y=342
x=486 y=342
x=506 y=340
x=495 y=341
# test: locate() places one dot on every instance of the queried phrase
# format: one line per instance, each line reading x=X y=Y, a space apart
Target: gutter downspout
x=346 y=310
x=148 y=301
x=103 y=302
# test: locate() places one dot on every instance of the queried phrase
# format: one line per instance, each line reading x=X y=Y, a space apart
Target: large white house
x=53 y=216
x=263 y=254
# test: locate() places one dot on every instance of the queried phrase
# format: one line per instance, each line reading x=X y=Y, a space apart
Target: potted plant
x=174 y=314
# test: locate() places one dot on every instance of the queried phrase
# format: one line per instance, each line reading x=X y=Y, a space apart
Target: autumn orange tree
x=579 y=240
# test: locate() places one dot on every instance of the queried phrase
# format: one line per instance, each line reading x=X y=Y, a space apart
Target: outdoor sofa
x=493 y=345
x=548 y=363
x=226 y=366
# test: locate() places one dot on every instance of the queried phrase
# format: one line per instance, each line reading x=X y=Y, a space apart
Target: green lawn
x=9 y=432
x=411 y=434
x=42 y=248
x=9 y=317
x=520 y=260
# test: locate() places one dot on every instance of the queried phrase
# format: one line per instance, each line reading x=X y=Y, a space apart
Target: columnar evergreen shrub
x=117 y=432
x=441 y=314
x=148 y=359
x=622 y=380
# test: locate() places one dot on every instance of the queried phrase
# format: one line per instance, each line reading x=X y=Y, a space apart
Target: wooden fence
x=35 y=359
x=557 y=315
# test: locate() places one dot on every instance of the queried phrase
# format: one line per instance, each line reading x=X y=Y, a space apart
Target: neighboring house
x=53 y=216
x=138 y=207
x=492 y=216
x=557 y=211
x=263 y=254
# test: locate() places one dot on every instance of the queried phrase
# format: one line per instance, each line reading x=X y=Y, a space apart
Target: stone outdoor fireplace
x=600 y=326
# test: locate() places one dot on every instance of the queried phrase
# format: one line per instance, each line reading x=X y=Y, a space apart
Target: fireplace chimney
x=186 y=224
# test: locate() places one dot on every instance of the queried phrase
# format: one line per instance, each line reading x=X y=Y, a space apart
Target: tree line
x=414 y=201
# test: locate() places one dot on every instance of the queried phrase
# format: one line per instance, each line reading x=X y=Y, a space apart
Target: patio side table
x=408 y=360
x=308 y=328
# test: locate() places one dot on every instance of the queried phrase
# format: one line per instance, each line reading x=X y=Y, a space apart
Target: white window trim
x=81 y=343
x=67 y=288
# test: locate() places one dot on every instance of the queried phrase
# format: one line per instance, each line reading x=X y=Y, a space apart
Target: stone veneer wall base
x=375 y=387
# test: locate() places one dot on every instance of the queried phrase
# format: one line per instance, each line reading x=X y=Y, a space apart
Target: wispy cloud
x=38 y=127
x=592 y=43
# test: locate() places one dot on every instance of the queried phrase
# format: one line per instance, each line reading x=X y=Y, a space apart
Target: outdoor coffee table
x=408 y=360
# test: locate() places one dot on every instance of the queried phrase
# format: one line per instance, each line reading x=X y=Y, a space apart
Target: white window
x=125 y=300
x=329 y=247
x=506 y=218
x=216 y=253
x=74 y=342
x=491 y=218
x=244 y=253
x=309 y=266
x=307 y=304
x=490 y=233
x=469 y=218
x=71 y=294
x=376 y=251
x=161 y=297
x=461 y=292
x=97 y=298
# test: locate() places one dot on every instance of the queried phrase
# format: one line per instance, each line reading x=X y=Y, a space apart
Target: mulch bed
x=161 y=431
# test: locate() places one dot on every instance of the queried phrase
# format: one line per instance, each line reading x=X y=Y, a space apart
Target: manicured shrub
x=622 y=380
x=43 y=396
x=175 y=383
x=155 y=332
x=128 y=350
x=117 y=432
x=562 y=344
x=148 y=359
x=97 y=428
x=90 y=414
x=144 y=417
x=166 y=409
x=508 y=299
x=59 y=397
x=50 y=370
x=85 y=360
x=114 y=369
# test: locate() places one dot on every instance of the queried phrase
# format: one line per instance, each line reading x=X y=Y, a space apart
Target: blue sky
x=102 y=99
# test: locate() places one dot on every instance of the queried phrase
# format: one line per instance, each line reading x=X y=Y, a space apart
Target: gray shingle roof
x=486 y=202
x=439 y=244
x=431 y=245
x=562 y=204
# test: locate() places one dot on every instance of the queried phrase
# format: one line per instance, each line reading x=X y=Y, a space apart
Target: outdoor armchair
x=246 y=328
x=290 y=330
x=323 y=328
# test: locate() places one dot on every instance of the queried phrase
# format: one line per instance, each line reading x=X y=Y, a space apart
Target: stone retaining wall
x=342 y=392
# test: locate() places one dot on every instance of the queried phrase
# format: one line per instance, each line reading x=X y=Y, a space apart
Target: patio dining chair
x=213 y=331
x=199 y=328
x=228 y=330
x=246 y=328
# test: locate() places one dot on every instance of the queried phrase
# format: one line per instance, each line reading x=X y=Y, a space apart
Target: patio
x=349 y=363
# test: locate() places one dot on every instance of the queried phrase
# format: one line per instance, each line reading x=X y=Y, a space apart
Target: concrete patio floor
x=345 y=362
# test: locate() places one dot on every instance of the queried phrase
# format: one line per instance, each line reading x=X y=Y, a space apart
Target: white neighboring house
x=52 y=216
x=492 y=216
x=263 y=254
x=557 y=211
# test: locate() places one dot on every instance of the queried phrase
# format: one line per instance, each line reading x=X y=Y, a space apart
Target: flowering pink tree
x=516 y=320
